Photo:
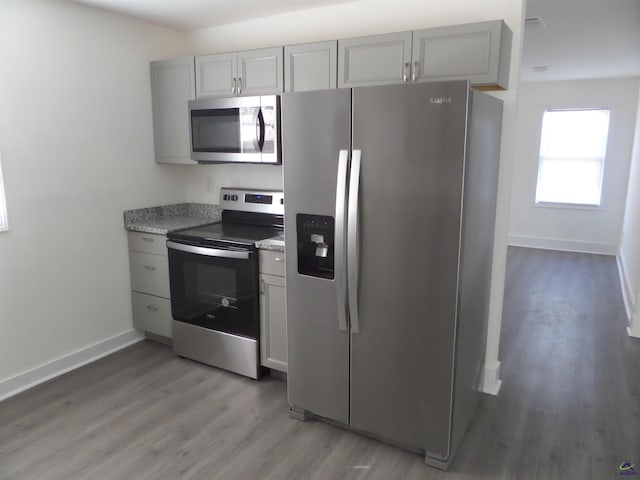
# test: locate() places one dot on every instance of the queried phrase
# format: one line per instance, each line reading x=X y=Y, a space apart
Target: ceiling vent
x=534 y=22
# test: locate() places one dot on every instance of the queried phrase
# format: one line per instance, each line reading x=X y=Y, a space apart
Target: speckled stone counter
x=275 y=244
x=169 y=218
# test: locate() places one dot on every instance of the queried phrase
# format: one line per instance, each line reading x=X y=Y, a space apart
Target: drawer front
x=148 y=243
x=149 y=274
x=151 y=314
x=272 y=263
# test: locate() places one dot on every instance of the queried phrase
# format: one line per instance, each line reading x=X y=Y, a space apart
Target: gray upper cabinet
x=374 y=60
x=310 y=66
x=254 y=72
x=172 y=85
x=216 y=75
x=480 y=52
x=260 y=72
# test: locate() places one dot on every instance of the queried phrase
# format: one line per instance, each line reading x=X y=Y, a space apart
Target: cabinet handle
x=239 y=85
x=147 y=239
x=405 y=72
x=149 y=267
x=278 y=259
x=414 y=73
x=152 y=308
x=233 y=88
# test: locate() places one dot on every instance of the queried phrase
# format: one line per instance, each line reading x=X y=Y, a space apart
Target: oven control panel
x=252 y=200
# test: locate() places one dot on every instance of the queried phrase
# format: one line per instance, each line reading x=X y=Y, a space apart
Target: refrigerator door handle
x=352 y=241
x=340 y=267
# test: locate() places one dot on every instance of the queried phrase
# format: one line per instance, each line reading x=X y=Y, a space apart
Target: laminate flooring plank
x=569 y=407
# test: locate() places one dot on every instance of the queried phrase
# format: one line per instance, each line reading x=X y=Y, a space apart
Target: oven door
x=215 y=288
x=240 y=129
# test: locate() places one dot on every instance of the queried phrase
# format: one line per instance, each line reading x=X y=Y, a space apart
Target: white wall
x=629 y=253
x=77 y=150
x=579 y=229
x=365 y=17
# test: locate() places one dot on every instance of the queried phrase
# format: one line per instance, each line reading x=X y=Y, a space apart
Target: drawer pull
x=149 y=267
x=147 y=239
x=152 y=308
x=278 y=259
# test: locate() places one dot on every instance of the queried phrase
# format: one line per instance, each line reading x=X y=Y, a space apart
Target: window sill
x=567 y=206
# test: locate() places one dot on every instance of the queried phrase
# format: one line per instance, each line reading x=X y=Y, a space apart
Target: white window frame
x=567 y=205
x=4 y=222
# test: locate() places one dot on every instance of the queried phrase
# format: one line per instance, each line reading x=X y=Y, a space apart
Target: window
x=3 y=205
x=572 y=154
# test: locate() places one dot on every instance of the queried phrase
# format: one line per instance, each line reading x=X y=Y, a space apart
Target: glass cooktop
x=226 y=232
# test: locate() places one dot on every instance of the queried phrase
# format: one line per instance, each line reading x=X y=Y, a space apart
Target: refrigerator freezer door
x=316 y=127
x=413 y=148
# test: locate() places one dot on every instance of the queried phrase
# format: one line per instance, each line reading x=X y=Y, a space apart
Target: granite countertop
x=169 y=218
x=275 y=244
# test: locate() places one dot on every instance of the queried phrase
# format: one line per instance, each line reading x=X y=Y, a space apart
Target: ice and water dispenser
x=316 y=245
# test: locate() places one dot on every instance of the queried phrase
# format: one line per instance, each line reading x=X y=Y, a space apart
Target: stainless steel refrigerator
x=389 y=218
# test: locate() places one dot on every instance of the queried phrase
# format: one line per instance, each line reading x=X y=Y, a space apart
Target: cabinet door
x=151 y=314
x=311 y=66
x=216 y=75
x=273 y=323
x=147 y=243
x=172 y=85
x=149 y=274
x=260 y=72
x=375 y=60
x=478 y=51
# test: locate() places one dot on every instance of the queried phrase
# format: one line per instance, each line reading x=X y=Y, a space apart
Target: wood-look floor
x=569 y=406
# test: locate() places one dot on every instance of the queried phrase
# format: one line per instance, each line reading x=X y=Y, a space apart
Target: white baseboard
x=627 y=293
x=561 y=244
x=490 y=380
x=23 y=381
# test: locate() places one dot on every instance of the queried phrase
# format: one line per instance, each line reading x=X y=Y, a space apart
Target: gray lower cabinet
x=149 y=268
x=253 y=72
x=478 y=51
x=310 y=66
x=172 y=85
x=374 y=60
x=273 y=319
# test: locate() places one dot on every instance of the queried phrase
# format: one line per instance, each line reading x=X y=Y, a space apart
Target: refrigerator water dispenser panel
x=315 y=238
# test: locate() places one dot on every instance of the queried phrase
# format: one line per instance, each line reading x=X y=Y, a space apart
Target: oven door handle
x=210 y=252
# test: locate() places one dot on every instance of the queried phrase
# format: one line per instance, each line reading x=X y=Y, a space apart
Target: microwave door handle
x=260 y=130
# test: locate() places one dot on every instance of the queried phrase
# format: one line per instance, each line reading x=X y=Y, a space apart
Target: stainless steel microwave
x=238 y=129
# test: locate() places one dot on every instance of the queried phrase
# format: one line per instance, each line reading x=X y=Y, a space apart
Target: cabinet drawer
x=149 y=274
x=272 y=263
x=148 y=243
x=151 y=314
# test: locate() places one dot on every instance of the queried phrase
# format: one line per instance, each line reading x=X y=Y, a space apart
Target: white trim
x=627 y=294
x=4 y=218
x=490 y=379
x=23 y=381
x=562 y=244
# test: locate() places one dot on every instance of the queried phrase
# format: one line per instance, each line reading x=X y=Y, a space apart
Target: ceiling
x=187 y=15
x=581 y=39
